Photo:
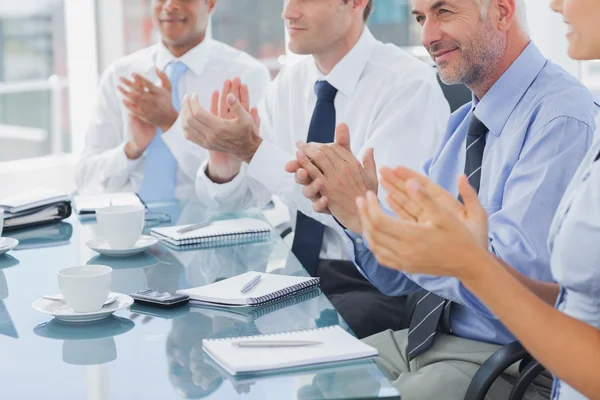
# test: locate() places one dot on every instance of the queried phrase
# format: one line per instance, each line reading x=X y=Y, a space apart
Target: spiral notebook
x=252 y=313
x=270 y=287
x=335 y=345
x=218 y=232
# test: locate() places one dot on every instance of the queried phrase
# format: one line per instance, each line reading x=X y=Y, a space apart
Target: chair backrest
x=457 y=95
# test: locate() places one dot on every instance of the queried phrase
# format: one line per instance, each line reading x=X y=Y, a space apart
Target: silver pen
x=194 y=227
x=275 y=343
x=251 y=283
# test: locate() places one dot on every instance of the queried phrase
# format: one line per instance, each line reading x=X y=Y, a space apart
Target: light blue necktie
x=160 y=168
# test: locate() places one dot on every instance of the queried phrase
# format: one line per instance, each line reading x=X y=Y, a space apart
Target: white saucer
x=7 y=244
x=61 y=310
x=101 y=246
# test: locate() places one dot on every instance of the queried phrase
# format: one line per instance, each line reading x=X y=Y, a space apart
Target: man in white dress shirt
x=382 y=93
x=135 y=141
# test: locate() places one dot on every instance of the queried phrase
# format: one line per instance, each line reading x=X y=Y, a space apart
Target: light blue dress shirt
x=541 y=122
x=573 y=242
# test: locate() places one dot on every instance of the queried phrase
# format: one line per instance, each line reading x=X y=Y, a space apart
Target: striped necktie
x=429 y=309
x=160 y=166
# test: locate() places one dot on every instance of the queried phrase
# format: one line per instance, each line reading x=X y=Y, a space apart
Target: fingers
x=148 y=86
x=164 y=79
x=370 y=168
x=302 y=178
x=214 y=103
x=319 y=156
x=236 y=107
x=405 y=174
x=235 y=88
x=132 y=85
x=311 y=190
x=399 y=210
x=292 y=166
x=245 y=97
x=416 y=192
x=321 y=205
x=309 y=167
x=224 y=108
x=255 y=117
x=400 y=201
x=133 y=95
x=470 y=199
x=342 y=136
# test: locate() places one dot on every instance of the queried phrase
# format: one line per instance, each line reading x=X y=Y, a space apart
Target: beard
x=479 y=56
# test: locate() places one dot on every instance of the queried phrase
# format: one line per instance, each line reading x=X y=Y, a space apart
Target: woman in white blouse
x=438 y=235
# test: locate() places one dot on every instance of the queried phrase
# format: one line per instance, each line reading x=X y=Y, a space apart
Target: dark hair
x=368 y=9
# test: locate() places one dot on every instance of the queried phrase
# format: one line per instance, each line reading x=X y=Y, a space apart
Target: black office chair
x=496 y=364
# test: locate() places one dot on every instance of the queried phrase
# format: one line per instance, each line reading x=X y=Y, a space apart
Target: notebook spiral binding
x=278 y=305
x=227 y=237
x=265 y=335
x=284 y=292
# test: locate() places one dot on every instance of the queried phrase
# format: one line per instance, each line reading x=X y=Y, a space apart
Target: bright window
x=34 y=119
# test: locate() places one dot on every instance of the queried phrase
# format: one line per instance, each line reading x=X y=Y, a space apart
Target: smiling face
x=582 y=17
x=465 y=46
x=182 y=22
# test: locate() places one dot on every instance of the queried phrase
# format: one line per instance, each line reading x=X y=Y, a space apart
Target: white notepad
x=270 y=287
x=88 y=204
x=336 y=345
x=227 y=230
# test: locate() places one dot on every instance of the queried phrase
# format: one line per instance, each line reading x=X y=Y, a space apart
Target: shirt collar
x=195 y=59
x=499 y=102
x=347 y=72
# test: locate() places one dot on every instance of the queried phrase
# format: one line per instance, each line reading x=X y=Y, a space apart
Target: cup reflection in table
x=86 y=343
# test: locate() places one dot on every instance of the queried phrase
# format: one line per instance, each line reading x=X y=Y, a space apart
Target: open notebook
x=270 y=288
x=218 y=232
x=86 y=205
x=335 y=345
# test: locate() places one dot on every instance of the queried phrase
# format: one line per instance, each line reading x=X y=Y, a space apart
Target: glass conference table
x=149 y=353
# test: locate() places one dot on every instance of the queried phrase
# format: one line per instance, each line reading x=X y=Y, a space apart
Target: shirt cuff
x=221 y=190
x=268 y=165
x=122 y=163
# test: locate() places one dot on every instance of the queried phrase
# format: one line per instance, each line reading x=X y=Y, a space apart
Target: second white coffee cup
x=121 y=226
x=85 y=288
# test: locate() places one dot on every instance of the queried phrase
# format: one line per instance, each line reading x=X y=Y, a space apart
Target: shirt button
x=359 y=241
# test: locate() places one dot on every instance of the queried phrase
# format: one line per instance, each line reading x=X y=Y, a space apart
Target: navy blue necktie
x=429 y=309
x=308 y=236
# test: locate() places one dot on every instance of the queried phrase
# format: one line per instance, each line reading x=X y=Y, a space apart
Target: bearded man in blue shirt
x=519 y=142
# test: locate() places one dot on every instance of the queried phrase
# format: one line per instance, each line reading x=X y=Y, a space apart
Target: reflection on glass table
x=7 y=327
x=58 y=234
x=86 y=344
x=159 y=351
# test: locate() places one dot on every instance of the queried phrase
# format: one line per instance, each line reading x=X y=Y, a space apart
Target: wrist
x=169 y=121
x=477 y=266
x=222 y=172
x=251 y=149
x=132 y=151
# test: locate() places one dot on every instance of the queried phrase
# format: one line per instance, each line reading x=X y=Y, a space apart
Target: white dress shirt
x=104 y=167
x=390 y=101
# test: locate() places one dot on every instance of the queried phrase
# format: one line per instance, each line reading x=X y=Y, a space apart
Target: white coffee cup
x=85 y=288
x=121 y=226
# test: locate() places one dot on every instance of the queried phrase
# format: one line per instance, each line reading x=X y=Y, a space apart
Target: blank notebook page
x=337 y=345
x=228 y=291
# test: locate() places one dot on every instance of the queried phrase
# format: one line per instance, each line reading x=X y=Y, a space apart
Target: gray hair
x=521 y=11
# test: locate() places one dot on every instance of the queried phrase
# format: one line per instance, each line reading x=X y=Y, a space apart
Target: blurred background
x=52 y=52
